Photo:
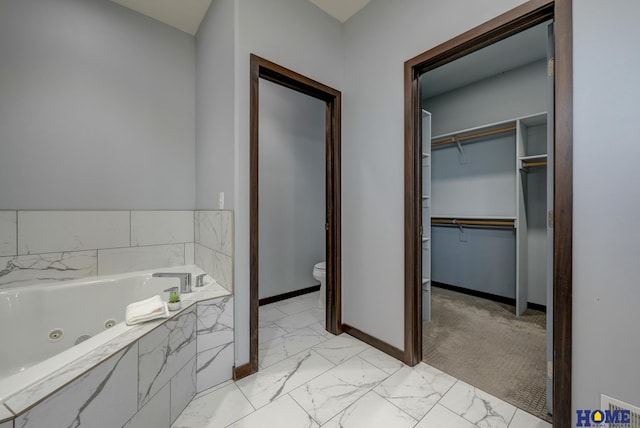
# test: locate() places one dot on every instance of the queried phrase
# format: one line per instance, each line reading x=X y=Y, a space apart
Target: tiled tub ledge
x=144 y=377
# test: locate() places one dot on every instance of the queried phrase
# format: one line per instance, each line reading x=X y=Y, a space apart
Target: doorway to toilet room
x=291 y=181
x=295 y=212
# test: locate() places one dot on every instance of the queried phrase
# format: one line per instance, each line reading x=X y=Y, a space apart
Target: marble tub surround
x=214 y=230
x=8 y=233
x=165 y=357
x=45 y=246
x=214 y=244
x=215 y=339
x=6 y=417
x=164 y=352
x=16 y=271
x=123 y=260
x=52 y=231
x=91 y=399
x=161 y=227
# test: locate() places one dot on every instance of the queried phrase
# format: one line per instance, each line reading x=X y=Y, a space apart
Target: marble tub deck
x=309 y=378
x=97 y=360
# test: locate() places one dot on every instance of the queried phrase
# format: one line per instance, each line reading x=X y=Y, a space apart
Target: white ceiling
x=516 y=51
x=186 y=15
x=340 y=9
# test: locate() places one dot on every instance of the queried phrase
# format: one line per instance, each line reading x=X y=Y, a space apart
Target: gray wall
x=379 y=39
x=215 y=105
x=97 y=108
x=478 y=259
x=483 y=185
x=515 y=93
x=606 y=244
x=292 y=188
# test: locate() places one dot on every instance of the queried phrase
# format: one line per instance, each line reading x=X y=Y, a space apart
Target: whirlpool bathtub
x=45 y=328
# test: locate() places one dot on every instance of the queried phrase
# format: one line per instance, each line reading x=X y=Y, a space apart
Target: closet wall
x=514 y=93
x=482 y=182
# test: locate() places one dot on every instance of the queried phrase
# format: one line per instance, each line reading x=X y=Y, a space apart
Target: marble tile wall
x=46 y=246
x=164 y=352
x=215 y=357
x=6 y=417
x=149 y=382
x=91 y=399
x=214 y=245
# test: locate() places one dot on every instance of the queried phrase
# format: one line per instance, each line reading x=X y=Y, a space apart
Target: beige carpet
x=484 y=344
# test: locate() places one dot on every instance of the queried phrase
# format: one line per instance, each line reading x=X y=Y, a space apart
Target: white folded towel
x=146 y=310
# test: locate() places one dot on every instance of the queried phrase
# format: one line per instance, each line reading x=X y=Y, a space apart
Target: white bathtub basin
x=78 y=308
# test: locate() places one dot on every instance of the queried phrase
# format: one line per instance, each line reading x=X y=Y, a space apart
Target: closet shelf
x=533 y=157
x=474 y=217
x=475 y=222
x=461 y=138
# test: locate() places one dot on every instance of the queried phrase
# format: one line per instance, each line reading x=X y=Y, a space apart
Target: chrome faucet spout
x=184 y=277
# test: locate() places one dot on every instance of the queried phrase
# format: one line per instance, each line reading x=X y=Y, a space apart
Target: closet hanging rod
x=462 y=222
x=531 y=164
x=474 y=135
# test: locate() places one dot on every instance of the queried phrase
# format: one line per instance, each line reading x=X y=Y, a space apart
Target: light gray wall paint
x=515 y=93
x=97 y=108
x=379 y=39
x=292 y=195
x=477 y=259
x=299 y=36
x=215 y=105
x=482 y=184
x=606 y=243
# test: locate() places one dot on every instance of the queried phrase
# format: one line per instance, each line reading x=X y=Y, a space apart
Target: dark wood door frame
x=262 y=68
x=503 y=26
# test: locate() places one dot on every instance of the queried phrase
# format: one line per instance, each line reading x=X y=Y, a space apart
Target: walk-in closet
x=487 y=195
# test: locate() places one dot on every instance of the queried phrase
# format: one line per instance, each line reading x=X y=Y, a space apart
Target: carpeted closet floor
x=484 y=344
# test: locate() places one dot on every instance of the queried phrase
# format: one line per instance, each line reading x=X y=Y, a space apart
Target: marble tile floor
x=310 y=379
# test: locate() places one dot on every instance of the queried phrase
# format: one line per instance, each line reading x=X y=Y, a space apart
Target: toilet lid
x=321 y=266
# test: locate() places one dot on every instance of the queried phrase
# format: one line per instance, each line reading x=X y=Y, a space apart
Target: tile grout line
x=358 y=399
x=299 y=352
x=299 y=386
x=400 y=408
x=17 y=245
x=305 y=411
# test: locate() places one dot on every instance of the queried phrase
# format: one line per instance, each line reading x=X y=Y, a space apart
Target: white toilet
x=320 y=273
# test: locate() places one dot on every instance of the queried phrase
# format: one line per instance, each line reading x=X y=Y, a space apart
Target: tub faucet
x=185 y=279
